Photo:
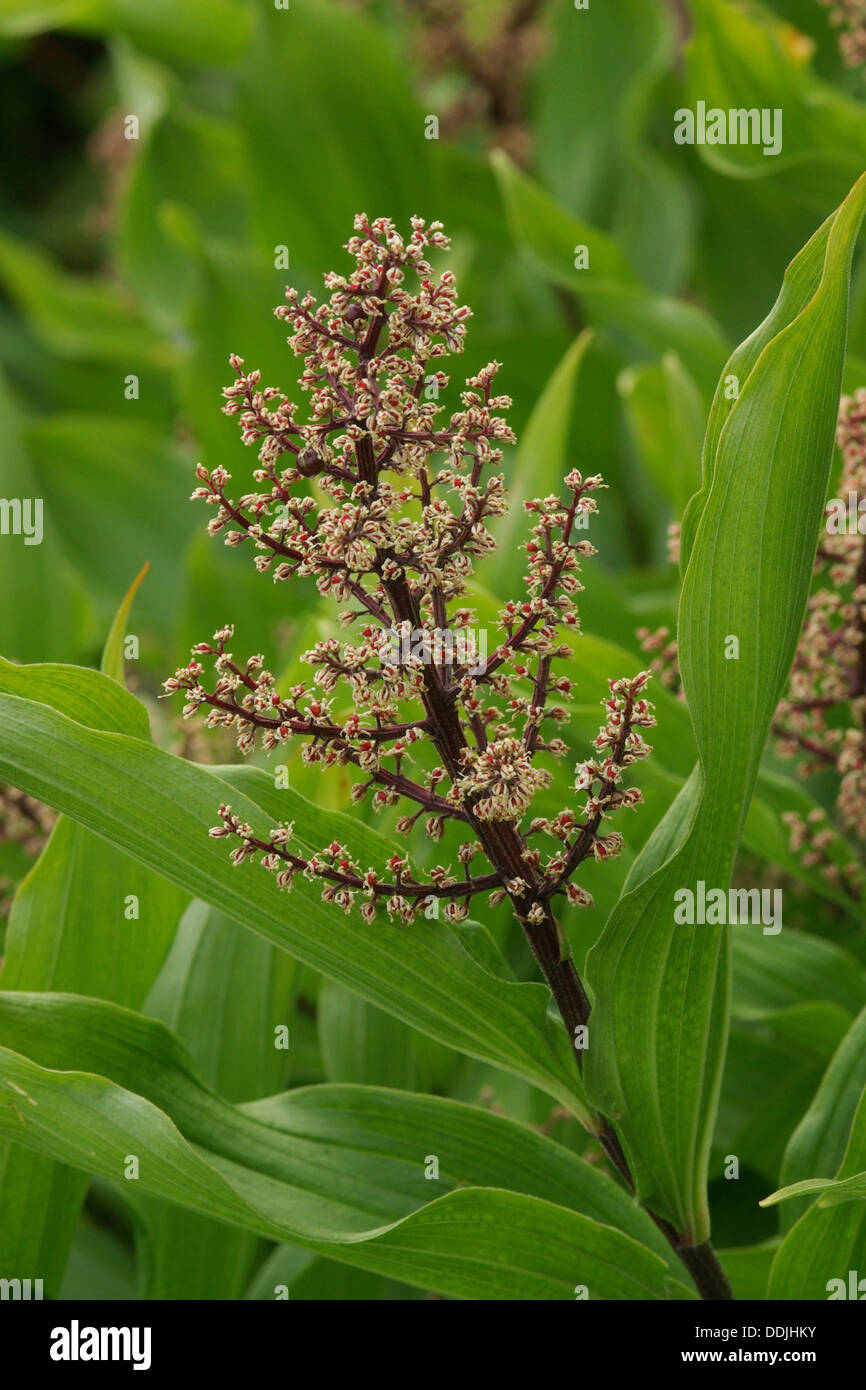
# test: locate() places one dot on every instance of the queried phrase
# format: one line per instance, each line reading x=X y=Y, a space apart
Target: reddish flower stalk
x=442 y=732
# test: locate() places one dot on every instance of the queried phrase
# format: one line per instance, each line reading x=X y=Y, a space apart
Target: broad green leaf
x=778 y=972
x=223 y=992
x=360 y=1043
x=99 y=1268
x=303 y=1277
x=386 y=163
x=189 y=167
x=86 y=696
x=420 y=973
x=661 y=992
x=340 y=1170
x=742 y=58
x=86 y=917
x=595 y=54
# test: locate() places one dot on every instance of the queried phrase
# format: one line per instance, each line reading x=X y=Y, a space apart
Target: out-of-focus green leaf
x=541 y=462
x=376 y=154
x=748 y=1268
x=608 y=287
x=772 y=1067
x=778 y=972
x=666 y=418
x=79 y=317
x=119 y=494
x=817 y=1147
x=189 y=166
x=743 y=58
x=45 y=612
x=190 y=32
x=592 y=93
x=829 y=1240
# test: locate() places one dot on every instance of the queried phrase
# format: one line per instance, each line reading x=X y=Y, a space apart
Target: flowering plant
x=339 y=995
x=404 y=516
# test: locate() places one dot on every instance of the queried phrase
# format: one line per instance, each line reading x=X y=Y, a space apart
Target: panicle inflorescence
x=404 y=501
x=849 y=17
x=823 y=717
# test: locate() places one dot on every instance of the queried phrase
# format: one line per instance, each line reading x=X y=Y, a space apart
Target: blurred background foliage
x=149 y=249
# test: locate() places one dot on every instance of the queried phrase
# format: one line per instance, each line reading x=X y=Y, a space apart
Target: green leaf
x=592 y=91
x=48 y=614
x=748 y=1268
x=420 y=973
x=186 y=177
x=360 y=1043
x=86 y=696
x=741 y=57
x=829 y=1240
x=772 y=1067
x=99 y=1269
x=120 y=479
x=70 y=929
x=779 y=972
x=340 y=1170
x=78 y=317
x=203 y=32
x=817 y=1146
x=223 y=992
x=664 y=413
x=304 y=1277
x=112 y=655
x=608 y=286
x=541 y=461
x=661 y=991
x=390 y=166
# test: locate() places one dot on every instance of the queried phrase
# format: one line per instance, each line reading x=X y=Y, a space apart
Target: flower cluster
x=401 y=513
x=849 y=17
x=813 y=839
x=664 y=650
x=822 y=720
